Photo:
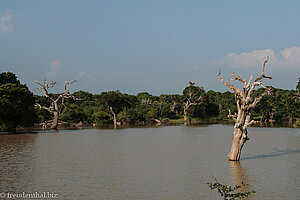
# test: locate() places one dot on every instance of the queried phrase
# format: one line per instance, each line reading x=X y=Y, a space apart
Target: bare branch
x=237 y=101
x=230 y=86
x=67 y=83
x=43 y=107
x=70 y=96
x=253 y=85
x=236 y=77
x=45 y=86
x=249 y=82
x=194 y=104
x=234 y=117
x=262 y=76
x=258 y=99
x=251 y=122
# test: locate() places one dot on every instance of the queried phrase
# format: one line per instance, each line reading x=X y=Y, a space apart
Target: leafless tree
x=54 y=108
x=245 y=105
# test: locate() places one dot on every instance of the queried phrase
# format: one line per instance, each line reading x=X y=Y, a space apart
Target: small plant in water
x=229 y=192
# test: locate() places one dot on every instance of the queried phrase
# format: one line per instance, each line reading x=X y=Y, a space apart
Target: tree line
x=19 y=107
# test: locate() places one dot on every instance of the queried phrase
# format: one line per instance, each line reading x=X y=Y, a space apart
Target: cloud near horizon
x=6 y=19
x=84 y=75
x=55 y=67
x=286 y=58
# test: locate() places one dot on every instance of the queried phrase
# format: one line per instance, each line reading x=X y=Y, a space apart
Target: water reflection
x=239 y=176
x=238 y=173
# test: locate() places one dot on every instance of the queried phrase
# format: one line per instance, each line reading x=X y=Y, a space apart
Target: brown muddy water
x=172 y=162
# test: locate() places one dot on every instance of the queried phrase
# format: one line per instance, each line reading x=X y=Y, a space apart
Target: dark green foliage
x=230 y=192
x=43 y=115
x=16 y=103
x=196 y=92
x=280 y=105
x=115 y=99
x=85 y=96
x=193 y=101
x=8 y=77
x=101 y=118
x=212 y=109
x=144 y=107
x=73 y=113
x=297 y=124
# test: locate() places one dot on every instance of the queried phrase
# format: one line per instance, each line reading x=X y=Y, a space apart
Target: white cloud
x=84 y=75
x=290 y=56
x=286 y=58
x=6 y=25
x=55 y=67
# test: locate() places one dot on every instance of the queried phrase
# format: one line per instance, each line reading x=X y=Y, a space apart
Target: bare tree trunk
x=55 y=116
x=239 y=139
x=185 y=117
x=114 y=116
x=158 y=122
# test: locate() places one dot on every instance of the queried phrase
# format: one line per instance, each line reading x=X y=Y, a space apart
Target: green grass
x=176 y=121
x=210 y=120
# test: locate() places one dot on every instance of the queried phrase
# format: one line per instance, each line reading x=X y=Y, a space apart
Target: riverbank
x=166 y=122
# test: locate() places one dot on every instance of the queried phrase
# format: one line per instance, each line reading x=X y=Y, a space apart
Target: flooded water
x=172 y=162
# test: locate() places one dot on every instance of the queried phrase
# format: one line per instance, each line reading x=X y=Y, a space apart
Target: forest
x=19 y=107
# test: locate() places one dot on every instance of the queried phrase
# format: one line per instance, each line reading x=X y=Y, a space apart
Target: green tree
x=73 y=113
x=115 y=102
x=16 y=103
x=171 y=105
x=101 y=118
x=192 y=96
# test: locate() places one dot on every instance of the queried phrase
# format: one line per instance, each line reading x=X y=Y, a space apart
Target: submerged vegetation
x=230 y=192
x=115 y=107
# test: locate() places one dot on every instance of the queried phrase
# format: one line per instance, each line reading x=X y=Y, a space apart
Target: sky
x=156 y=46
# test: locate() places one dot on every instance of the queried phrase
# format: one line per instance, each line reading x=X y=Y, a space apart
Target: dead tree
x=245 y=105
x=113 y=116
x=54 y=108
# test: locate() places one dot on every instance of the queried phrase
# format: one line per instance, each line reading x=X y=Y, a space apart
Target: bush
x=101 y=118
x=229 y=192
x=297 y=124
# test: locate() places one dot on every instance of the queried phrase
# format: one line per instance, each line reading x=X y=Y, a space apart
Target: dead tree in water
x=53 y=108
x=245 y=105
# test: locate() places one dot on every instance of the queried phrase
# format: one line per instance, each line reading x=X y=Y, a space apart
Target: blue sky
x=154 y=46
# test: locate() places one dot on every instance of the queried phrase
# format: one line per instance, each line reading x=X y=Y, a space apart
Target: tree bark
x=185 y=117
x=239 y=139
x=114 y=116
